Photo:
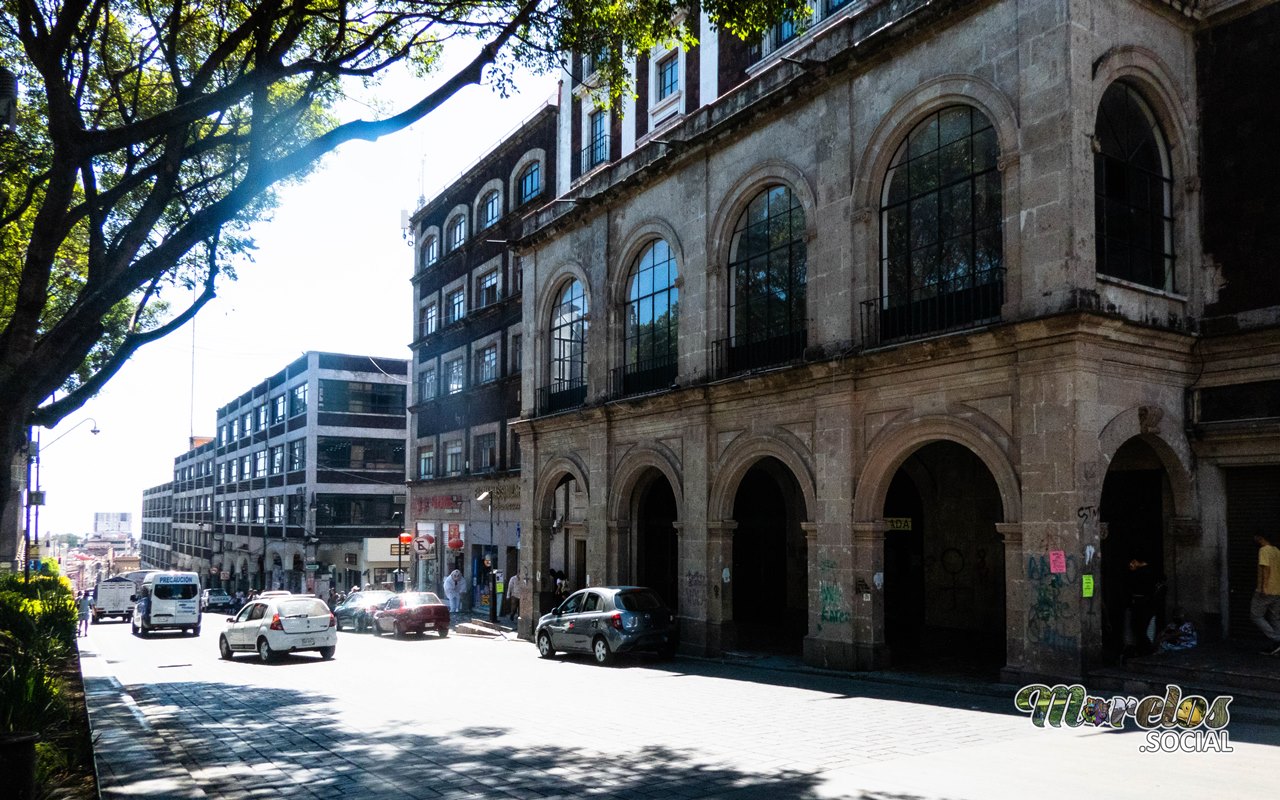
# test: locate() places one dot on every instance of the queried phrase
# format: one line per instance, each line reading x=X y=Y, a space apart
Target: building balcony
x=650 y=375
x=968 y=301
x=593 y=155
x=761 y=348
x=562 y=396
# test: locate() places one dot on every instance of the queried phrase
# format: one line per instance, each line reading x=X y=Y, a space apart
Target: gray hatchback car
x=606 y=620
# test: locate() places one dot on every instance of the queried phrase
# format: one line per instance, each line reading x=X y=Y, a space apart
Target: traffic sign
x=399 y=549
x=424 y=544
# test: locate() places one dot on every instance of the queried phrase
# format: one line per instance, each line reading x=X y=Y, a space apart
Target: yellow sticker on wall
x=1086 y=585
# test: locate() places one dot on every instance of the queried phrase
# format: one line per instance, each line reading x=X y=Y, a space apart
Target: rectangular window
x=530 y=182
x=491 y=208
x=517 y=349
x=487 y=289
x=484 y=452
x=276 y=457
x=278 y=406
x=457 y=232
x=277 y=509
x=233 y=514
x=513 y=462
x=668 y=75
x=221 y=513
x=599 y=146
x=245 y=510
x=260 y=510
x=336 y=452
x=487 y=364
x=297 y=455
x=455 y=306
x=361 y=397
x=260 y=463
x=337 y=509
x=453 y=458
x=430 y=320
x=246 y=423
x=246 y=467
x=235 y=429
x=298 y=400
x=222 y=474
x=427 y=384
x=261 y=421
x=426 y=462
x=231 y=471
x=454 y=374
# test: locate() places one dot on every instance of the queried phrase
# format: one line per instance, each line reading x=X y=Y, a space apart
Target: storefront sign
x=455 y=535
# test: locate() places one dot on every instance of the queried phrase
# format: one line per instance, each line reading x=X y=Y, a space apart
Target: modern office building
x=193 y=489
x=464 y=491
x=156 y=543
x=902 y=335
x=309 y=481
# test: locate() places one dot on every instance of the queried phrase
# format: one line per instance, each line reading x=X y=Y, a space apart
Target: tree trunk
x=13 y=439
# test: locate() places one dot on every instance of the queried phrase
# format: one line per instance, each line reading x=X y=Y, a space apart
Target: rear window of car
x=421 y=599
x=303 y=608
x=174 y=591
x=639 y=601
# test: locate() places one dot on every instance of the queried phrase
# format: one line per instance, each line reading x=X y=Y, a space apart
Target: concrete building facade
x=308 y=476
x=878 y=344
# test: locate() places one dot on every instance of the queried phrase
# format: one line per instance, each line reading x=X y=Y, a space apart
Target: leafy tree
x=153 y=134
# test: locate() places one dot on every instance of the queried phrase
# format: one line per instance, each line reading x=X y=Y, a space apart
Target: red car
x=412 y=611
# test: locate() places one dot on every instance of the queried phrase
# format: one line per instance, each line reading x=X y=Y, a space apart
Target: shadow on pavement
x=284 y=742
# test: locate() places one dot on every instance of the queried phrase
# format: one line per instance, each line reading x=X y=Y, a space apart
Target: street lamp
x=31 y=530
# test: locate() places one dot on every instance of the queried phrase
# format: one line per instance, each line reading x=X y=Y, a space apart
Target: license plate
x=308 y=641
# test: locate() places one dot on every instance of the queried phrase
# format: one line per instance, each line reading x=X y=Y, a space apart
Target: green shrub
x=30 y=698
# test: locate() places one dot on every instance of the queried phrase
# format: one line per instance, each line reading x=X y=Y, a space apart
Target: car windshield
x=175 y=591
x=374 y=596
x=644 y=600
x=303 y=607
x=218 y=593
x=421 y=599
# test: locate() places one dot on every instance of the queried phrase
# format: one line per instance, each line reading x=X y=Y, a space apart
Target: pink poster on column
x=1057 y=561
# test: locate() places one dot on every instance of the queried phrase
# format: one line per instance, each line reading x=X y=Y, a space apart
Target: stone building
x=464 y=493
x=901 y=335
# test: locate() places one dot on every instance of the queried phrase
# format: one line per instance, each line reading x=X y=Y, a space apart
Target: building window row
x=484 y=456
x=488 y=210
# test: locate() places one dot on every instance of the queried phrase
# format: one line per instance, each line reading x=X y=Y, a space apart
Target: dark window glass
x=668 y=76
x=1133 y=188
x=530 y=182
x=653 y=310
x=569 y=339
x=767 y=275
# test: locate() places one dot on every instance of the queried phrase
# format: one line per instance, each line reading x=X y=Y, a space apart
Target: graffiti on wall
x=1051 y=614
x=831 y=602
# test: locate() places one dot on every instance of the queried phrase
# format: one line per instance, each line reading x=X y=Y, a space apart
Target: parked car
x=606 y=620
x=412 y=612
x=356 y=611
x=276 y=625
x=215 y=598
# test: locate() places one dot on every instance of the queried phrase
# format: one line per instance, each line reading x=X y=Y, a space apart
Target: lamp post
x=406 y=539
x=487 y=495
x=35 y=497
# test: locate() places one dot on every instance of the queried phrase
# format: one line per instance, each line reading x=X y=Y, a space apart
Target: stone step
x=1257 y=699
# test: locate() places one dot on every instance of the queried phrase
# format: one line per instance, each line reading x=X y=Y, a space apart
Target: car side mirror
x=231 y=619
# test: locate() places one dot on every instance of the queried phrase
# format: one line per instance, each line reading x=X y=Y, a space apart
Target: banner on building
x=455 y=535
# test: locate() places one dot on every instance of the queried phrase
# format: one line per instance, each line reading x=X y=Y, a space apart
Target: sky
x=331 y=272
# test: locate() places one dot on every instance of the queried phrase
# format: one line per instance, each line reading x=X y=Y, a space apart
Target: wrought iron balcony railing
x=561 y=396
x=650 y=375
x=756 y=349
x=957 y=303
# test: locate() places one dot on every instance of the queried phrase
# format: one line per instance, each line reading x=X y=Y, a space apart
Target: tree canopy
x=152 y=134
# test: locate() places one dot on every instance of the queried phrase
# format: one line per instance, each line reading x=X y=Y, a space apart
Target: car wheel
x=444 y=632
x=399 y=630
x=265 y=653
x=224 y=649
x=544 y=645
x=600 y=649
x=360 y=625
x=142 y=630
x=195 y=631
x=327 y=652
x=337 y=624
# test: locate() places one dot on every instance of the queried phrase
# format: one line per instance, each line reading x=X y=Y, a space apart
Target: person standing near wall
x=453 y=590
x=1264 y=608
x=514 y=587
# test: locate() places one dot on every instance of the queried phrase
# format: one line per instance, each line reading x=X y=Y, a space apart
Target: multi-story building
x=916 y=332
x=464 y=459
x=109 y=522
x=309 y=480
x=193 y=508
x=156 y=545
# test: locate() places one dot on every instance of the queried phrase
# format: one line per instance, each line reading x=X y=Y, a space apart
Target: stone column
x=831 y=599
x=1015 y=600
x=618 y=555
x=535 y=563
x=869 y=648
x=717 y=587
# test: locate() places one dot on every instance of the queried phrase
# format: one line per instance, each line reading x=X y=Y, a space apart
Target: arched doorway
x=1136 y=501
x=770 y=560
x=944 y=580
x=657 y=554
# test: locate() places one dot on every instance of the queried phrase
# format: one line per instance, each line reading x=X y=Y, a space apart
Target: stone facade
x=995 y=478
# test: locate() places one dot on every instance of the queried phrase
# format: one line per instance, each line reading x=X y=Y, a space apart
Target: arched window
x=568 y=349
x=430 y=251
x=490 y=209
x=767 y=282
x=942 y=258
x=530 y=182
x=653 y=316
x=457 y=232
x=1133 y=208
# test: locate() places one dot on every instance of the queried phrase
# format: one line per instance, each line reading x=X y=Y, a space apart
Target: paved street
x=479 y=718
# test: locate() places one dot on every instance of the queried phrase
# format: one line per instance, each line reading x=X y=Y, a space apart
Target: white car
x=287 y=624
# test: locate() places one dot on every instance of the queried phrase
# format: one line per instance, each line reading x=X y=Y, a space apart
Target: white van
x=168 y=601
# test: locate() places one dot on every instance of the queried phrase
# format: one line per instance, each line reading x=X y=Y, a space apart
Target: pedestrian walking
x=1264 y=608
x=514 y=587
x=85 y=606
x=453 y=591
